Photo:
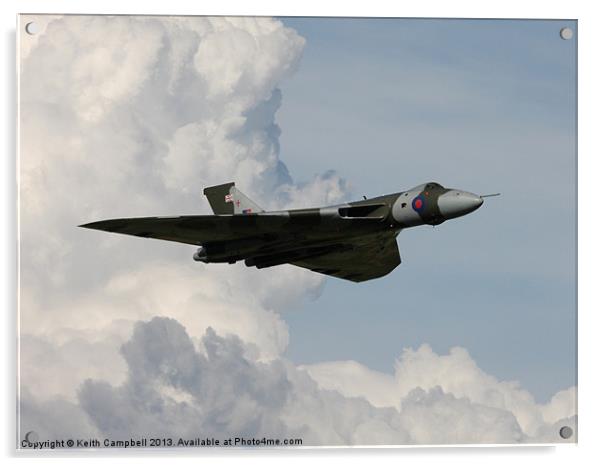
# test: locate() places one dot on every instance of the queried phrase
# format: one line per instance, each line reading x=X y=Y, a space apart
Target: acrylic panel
x=292 y=234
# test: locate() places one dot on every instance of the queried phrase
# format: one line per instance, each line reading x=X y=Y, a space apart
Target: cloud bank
x=132 y=116
x=175 y=390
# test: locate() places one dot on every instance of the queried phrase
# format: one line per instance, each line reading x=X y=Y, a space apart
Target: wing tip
x=103 y=225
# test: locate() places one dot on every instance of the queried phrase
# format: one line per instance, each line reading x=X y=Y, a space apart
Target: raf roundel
x=418 y=203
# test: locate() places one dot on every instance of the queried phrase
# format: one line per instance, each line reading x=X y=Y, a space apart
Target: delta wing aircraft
x=354 y=241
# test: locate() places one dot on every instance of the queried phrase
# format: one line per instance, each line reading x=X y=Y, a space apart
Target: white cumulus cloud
x=454 y=376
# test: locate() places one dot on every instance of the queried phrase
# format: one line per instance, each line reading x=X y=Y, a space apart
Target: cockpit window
x=430 y=185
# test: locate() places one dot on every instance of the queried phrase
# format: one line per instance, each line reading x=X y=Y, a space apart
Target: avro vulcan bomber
x=354 y=241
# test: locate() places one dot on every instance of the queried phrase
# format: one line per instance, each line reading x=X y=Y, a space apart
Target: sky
x=485 y=106
x=468 y=341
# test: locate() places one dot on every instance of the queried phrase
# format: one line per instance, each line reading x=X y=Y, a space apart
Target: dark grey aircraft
x=354 y=241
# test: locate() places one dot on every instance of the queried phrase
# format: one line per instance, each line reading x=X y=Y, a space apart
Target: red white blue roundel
x=418 y=203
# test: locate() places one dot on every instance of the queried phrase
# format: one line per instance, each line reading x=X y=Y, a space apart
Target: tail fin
x=225 y=199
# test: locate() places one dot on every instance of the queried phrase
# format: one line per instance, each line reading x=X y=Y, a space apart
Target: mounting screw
x=566 y=432
x=566 y=33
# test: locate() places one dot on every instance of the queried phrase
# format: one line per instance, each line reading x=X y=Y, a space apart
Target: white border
x=589 y=153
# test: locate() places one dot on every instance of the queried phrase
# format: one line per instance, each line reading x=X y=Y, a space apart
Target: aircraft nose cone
x=456 y=203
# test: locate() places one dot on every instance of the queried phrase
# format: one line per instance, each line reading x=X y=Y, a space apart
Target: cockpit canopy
x=430 y=185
